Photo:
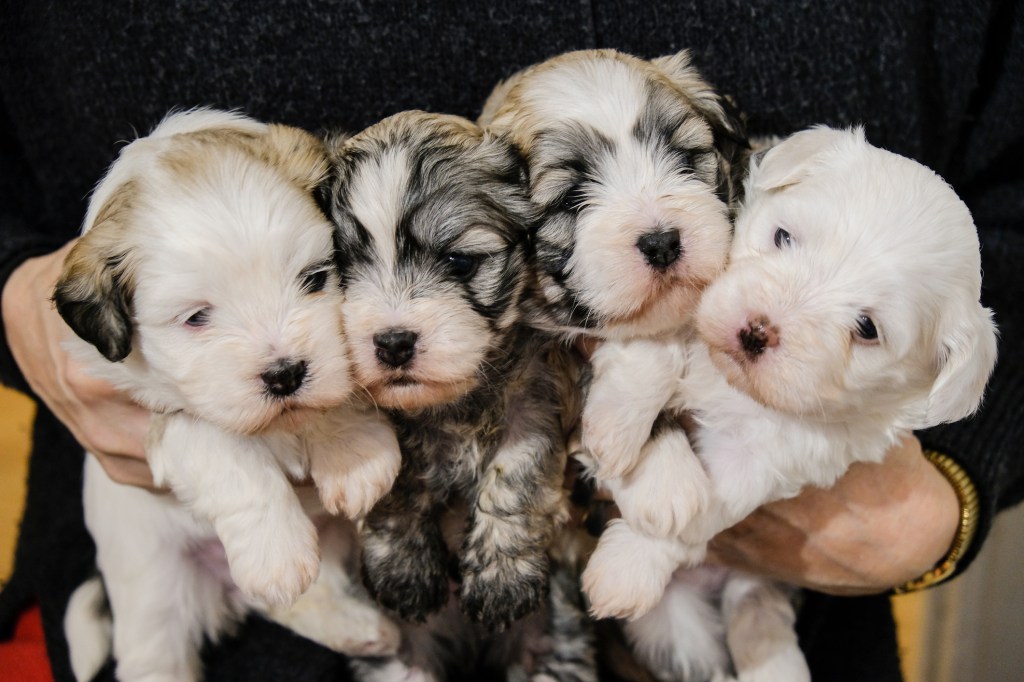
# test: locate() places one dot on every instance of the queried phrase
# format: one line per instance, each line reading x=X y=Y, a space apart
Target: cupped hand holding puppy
x=103 y=420
x=879 y=526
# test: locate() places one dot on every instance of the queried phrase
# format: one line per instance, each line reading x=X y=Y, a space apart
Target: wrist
x=969 y=515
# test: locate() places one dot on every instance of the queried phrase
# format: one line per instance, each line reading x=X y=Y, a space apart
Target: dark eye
x=684 y=159
x=572 y=200
x=200 y=318
x=462 y=266
x=783 y=239
x=315 y=281
x=866 y=329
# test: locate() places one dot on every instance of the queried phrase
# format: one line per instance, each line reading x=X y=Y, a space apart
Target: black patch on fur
x=103 y=317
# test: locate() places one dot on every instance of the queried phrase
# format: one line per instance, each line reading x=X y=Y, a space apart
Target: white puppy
x=849 y=315
x=206 y=279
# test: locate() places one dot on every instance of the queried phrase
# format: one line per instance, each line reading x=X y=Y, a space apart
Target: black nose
x=660 y=249
x=285 y=377
x=396 y=347
x=758 y=335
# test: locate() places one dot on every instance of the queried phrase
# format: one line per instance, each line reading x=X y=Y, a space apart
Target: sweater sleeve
x=985 y=169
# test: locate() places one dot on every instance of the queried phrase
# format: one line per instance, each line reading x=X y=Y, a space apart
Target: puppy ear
x=966 y=357
x=94 y=291
x=792 y=159
x=721 y=113
x=301 y=155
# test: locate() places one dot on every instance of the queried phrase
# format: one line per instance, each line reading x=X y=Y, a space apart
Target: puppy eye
x=199 y=318
x=315 y=281
x=572 y=200
x=684 y=159
x=783 y=239
x=866 y=330
x=462 y=266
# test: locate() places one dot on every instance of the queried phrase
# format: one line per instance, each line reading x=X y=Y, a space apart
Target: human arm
x=879 y=526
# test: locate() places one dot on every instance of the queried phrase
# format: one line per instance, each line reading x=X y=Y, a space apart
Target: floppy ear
x=301 y=155
x=94 y=291
x=723 y=116
x=966 y=357
x=791 y=160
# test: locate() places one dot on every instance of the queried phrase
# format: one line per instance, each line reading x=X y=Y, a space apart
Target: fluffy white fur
x=848 y=316
x=205 y=277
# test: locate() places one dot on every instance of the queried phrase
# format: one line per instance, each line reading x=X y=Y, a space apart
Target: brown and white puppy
x=206 y=280
x=432 y=218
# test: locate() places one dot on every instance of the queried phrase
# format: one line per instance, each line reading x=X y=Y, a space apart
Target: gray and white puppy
x=634 y=164
x=432 y=219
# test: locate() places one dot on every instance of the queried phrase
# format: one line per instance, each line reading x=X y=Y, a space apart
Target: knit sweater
x=944 y=85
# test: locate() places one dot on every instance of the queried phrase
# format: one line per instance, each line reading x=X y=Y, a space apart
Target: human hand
x=879 y=526
x=105 y=421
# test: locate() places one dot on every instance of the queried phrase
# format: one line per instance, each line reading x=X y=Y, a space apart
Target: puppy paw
x=503 y=590
x=667 y=490
x=355 y=492
x=342 y=623
x=275 y=560
x=627 y=573
x=405 y=569
x=784 y=664
x=612 y=437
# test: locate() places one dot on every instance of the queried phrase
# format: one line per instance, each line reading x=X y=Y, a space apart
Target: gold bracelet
x=970 y=511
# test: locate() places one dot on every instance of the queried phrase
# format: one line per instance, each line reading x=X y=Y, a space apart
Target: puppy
x=432 y=218
x=849 y=315
x=634 y=164
x=206 y=281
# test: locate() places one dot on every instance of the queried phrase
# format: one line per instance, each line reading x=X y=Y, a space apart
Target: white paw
x=342 y=623
x=614 y=436
x=275 y=558
x=354 y=492
x=667 y=490
x=787 y=664
x=627 y=574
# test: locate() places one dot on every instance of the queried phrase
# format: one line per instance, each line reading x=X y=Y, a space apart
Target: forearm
x=880 y=526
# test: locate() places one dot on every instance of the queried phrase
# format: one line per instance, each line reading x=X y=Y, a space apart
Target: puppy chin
x=667 y=308
x=415 y=395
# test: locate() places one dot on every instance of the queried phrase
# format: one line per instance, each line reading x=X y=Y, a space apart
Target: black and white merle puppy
x=432 y=220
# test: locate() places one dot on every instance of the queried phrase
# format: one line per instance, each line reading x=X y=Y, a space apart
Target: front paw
x=667 y=490
x=503 y=590
x=274 y=560
x=627 y=574
x=614 y=437
x=407 y=572
x=354 y=492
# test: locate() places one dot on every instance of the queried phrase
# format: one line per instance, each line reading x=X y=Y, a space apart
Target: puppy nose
x=285 y=377
x=758 y=335
x=396 y=347
x=660 y=249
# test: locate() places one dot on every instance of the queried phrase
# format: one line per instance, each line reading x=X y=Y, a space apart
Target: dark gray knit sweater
x=942 y=84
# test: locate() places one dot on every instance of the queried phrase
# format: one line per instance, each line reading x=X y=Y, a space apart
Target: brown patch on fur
x=93 y=261
x=299 y=155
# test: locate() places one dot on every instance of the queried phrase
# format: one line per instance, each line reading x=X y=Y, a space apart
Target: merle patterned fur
x=499 y=445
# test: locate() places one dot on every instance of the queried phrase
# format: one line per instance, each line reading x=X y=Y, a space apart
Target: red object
x=23 y=658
